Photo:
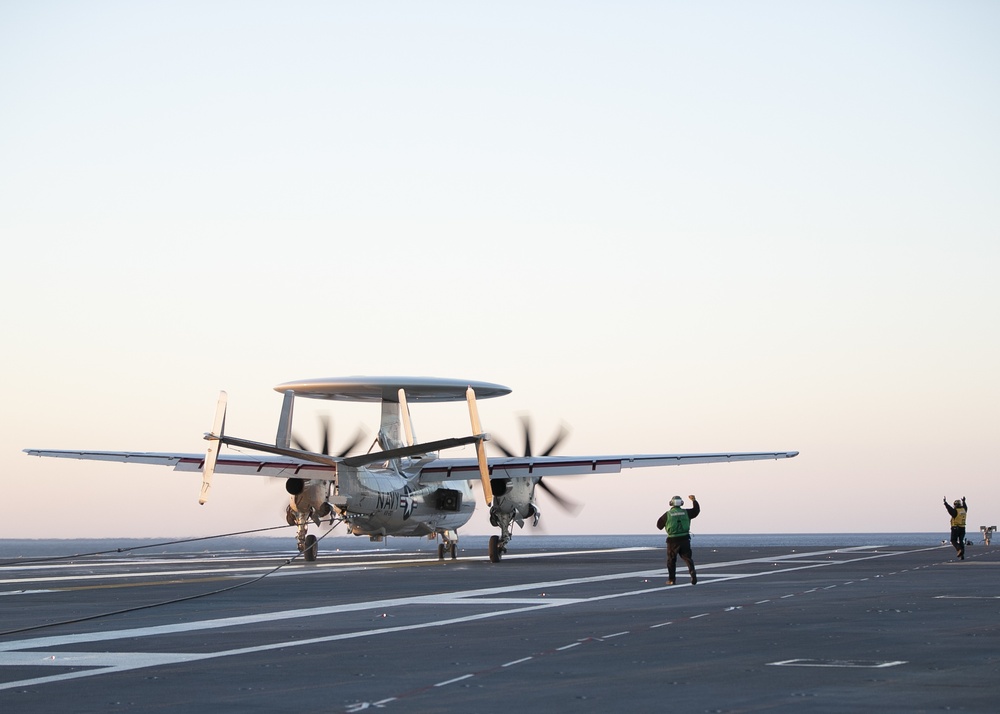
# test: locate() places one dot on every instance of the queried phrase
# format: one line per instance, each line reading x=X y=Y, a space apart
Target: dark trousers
x=679 y=546
x=958 y=540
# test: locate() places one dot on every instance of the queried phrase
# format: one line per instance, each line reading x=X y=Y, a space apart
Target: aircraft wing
x=247 y=464
x=537 y=466
x=438 y=470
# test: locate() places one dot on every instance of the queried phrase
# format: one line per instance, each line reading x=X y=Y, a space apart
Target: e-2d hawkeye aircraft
x=404 y=488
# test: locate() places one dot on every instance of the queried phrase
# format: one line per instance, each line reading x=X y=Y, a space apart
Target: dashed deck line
x=19 y=652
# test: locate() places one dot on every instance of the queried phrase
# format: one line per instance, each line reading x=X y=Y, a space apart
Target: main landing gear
x=498 y=543
x=497 y=549
x=308 y=544
x=505 y=520
x=310 y=548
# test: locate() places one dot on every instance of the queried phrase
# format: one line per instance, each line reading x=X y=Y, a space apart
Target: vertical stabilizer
x=405 y=414
x=283 y=439
x=390 y=427
x=484 y=469
x=214 y=444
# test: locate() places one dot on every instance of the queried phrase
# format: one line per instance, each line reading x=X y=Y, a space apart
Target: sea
x=14 y=549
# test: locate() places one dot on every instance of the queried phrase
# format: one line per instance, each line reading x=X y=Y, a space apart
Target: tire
x=311 y=548
x=495 y=549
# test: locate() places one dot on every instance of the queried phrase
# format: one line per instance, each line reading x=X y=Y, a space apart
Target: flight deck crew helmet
x=676 y=501
x=958 y=502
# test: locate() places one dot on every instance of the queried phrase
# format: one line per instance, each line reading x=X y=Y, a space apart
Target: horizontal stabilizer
x=271 y=449
x=415 y=450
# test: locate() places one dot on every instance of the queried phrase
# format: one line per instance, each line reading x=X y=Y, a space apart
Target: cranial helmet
x=676 y=501
x=958 y=502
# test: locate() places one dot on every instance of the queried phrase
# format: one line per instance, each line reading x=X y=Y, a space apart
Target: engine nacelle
x=446 y=499
x=311 y=500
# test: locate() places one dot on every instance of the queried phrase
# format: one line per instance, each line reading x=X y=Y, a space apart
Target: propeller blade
x=358 y=438
x=526 y=426
x=526 y=423
x=563 y=433
x=324 y=421
x=327 y=431
x=568 y=505
x=497 y=443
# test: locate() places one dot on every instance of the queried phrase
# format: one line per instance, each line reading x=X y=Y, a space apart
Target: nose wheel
x=448 y=544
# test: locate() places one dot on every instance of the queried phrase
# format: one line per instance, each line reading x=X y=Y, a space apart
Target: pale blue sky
x=675 y=227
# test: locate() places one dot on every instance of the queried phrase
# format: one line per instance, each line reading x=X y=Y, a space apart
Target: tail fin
x=484 y=469
x=214 y=443
x=283 y=439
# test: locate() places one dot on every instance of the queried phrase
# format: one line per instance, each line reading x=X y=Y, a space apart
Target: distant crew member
x=958 y=513
x=677 y=523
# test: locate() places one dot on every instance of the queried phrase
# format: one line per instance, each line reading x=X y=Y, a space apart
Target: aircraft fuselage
x=380 y=501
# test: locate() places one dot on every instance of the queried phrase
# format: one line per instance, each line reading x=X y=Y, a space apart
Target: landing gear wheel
x=310 y=548
x=495 y=549
x=454 y=551
x=440 y=551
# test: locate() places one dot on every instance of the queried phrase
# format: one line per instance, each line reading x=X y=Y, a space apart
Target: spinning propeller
x=328 y=439
x=563 y=432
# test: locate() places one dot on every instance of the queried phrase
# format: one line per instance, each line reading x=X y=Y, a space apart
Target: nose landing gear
x=448 y=544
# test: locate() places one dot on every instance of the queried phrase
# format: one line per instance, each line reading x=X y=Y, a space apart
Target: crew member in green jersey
x=677 y=523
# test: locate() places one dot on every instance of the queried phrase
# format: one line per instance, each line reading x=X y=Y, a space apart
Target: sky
x=672 y=227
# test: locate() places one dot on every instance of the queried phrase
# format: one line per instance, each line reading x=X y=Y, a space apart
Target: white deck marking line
x=123 y=661
x=662 y=624
x=835 y=663
x=12 y=652
x=617 y=634
x=148 y=559
x=26 y=592
x=568 y=647
x=289 y=570
x=695 y=617
x=452 y=681
x=232 y=572
x=517 y=661
x=518 y=600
